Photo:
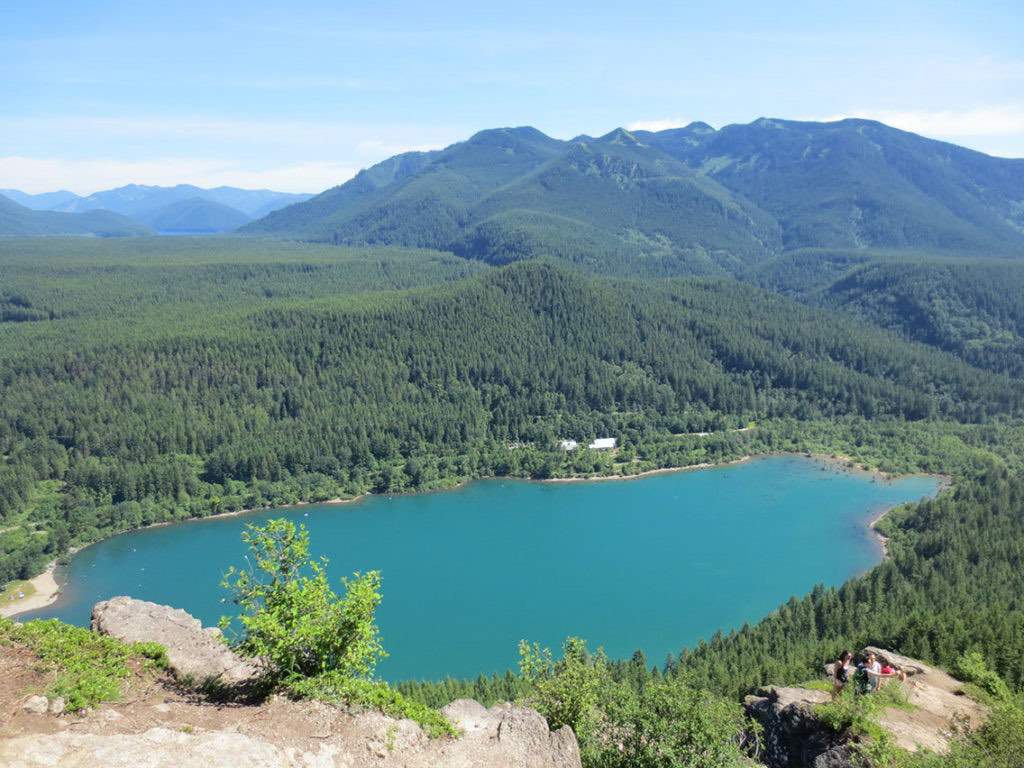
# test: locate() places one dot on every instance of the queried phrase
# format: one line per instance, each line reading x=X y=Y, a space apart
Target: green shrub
x=292 y=618
x=89 y=668
x=971 y=667
x=660 y=724
x=317 y=644
x=371 y=694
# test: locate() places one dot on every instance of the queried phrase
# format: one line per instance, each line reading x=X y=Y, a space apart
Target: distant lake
x=655 y=563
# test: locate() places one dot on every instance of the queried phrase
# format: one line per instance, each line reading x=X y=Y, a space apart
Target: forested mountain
x=681 y=201
x=973 y=308
x=44 y=201
x=209 y=392
x=194 y=215
x=859 y=183
x=18 y=220
x=182 y=208
x=137 y=199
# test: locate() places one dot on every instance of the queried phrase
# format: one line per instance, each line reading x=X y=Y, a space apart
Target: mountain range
x=179 y=209
x=18 y=220
x=685 y=200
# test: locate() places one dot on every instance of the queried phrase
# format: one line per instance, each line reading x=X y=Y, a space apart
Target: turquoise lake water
x=654 y=563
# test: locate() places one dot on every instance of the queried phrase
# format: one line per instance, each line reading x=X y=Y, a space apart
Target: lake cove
x=655 y=563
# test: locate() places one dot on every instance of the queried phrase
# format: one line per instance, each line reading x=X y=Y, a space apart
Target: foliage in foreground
x=313 y=642
x=89 y=668
x=662 y=723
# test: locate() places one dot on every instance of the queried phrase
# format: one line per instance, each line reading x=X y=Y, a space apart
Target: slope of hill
x=859 y=183
x=678 y=201
x=612 y=203
x=138 y=201
x=972 y=307
x=18 y=220
x=194 y=215
x=45 y=201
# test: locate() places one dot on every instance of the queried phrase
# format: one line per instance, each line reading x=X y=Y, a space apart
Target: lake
x=655 y=563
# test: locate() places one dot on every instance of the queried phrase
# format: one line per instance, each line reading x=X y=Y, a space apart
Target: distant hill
x=683 y=200
x=194 y=215
x=45 y=201
x=18 y=220
x=140 y=200
x=182 y=208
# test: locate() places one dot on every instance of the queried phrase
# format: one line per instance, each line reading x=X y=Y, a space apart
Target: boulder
x=196 y=656
x=37 y=705
x=793 y=736
x=505 y=732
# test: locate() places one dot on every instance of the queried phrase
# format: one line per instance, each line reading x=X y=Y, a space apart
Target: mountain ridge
x=217 y=209
x=682 y=200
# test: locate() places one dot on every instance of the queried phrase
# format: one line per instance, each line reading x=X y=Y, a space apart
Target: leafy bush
x=371 y=694
x=315 y=643
x=662 y=723
x=668 y=723
x=971 y=668
x=290 y=615
x=89 y=668
x=566 y=692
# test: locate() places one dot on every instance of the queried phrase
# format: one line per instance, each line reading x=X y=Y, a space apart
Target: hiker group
x=865 y=671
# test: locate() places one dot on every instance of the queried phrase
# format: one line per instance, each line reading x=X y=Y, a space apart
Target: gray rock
x=197 y=656
x=793 y=736
x=503 y=736
x=57 y=706
x=907 y=664
x=37 y=705
x=518 y=735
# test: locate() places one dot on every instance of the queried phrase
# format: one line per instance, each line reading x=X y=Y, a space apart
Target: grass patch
x=89 y=668
x=817 y=685
x=371 y=694
x=11 y=591
x=854 y=714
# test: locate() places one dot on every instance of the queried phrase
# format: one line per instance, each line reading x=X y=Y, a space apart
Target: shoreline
x=648 y=472
x=47 y=590
x=945 y=483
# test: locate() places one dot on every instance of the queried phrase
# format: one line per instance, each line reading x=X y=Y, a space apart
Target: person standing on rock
x=841 y=672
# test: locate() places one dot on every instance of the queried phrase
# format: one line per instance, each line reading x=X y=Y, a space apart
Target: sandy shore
x=46 y=591
x=648 y=473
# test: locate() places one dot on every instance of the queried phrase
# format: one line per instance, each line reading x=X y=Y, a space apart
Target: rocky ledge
x=161 y=722
x=795 y=738
x=197 y=656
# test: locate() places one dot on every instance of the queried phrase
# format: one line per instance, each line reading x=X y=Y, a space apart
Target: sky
x=299 y=96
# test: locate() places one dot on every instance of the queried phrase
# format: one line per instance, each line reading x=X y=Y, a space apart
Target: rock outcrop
x=288 y=734
x=158 y=724
x=793 y=735
x=196 y=656
x=795 y=738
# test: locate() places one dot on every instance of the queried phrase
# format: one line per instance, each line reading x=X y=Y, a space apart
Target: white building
x=604 y=444
x=568 y=445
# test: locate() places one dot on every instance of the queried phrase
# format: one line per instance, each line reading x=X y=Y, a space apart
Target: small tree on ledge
x=292 y=619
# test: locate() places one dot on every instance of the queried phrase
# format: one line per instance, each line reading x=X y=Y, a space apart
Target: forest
x=144 y=381
x=184 y=389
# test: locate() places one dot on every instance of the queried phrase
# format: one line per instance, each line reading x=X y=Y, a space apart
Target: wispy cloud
x=1005 y=120
x=33 y=174
x=662 y=124
x=293 y=155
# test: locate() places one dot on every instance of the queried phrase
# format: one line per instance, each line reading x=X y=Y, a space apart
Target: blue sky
x=298 y=96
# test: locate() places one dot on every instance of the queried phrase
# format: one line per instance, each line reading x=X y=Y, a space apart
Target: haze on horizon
x=101 y=94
